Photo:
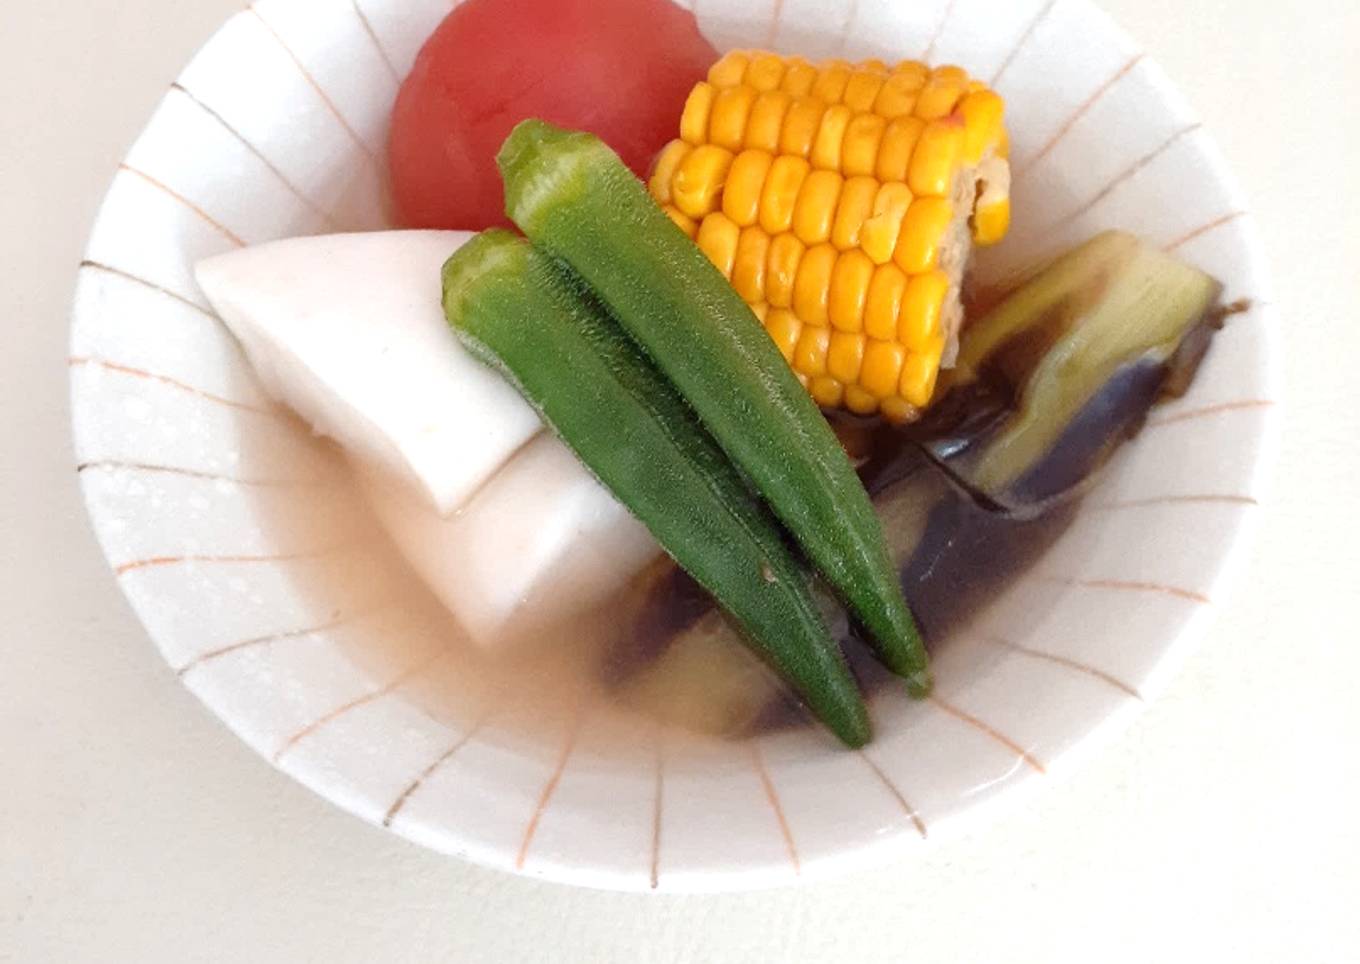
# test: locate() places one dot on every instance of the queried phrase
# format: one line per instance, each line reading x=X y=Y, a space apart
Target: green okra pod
x=576 y=200
x=528 y=316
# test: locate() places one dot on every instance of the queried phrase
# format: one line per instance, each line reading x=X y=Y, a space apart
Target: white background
x=1225 y=825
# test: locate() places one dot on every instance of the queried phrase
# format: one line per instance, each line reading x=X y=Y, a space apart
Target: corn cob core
x=842 y=201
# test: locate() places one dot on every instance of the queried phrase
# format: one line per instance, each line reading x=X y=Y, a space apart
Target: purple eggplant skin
x=952 y=553
x=1074 y=359
x=973 y=494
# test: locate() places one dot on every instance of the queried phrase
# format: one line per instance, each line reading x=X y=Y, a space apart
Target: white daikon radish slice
x=540 y=543
x=348 y=330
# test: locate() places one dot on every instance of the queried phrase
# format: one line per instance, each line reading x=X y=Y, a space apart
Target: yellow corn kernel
x=826 y=391
x=813 y=285
x=918 y=374
x=799 y=76
x=1003 y=144
x=784 y=328
x=809 y=355
x=991 y=221
x=717 y=238
x=831 y=80
x=882 y=367
x=849 y=289
x=663 y=170
x=898 y=411
x=892 y=196
x=919 y=323
x=923 y=230
x=816 y=207
x=766 y=120
x=730 y=70
x=825 y=194
x=856 y=204
x=745 y=182
x=694 y=118
x=727 y=122
x=878 y=234
x=801 y=124
x=897 y=97
x=859 y=152
x=802 y=379
x=861 y=89
x=765 y=72
x=844 y=355
x=914 y=69
x=883 y=304
x=681 y=220
x=859 y=401
x=781 y=192
x=981 y=113
x=826 y=149
x=936 y=158
x=748 y=269
x=781 y=269
x=699 y=180
x=897 y=147
x=937 y=98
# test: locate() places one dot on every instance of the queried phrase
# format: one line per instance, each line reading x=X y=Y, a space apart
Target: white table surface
x=1222 y=826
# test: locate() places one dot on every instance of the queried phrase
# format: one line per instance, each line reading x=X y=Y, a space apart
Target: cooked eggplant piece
x=1071 y=363
x=1049 y=383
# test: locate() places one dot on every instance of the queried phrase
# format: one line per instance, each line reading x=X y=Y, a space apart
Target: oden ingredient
x=536 y=548
x=619 y=68
x=1052 y=381
x=1058 y=342
x=346 y=329
x=574 y=199
x=502 y=522
x=840 y=200
x=521 y=312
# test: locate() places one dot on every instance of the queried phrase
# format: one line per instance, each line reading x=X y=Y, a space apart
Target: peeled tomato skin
x=618 y=68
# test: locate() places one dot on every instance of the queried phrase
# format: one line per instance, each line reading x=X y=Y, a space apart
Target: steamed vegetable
x=499 y=519
x=523 y=313
x=1113 y=304
x=953 y=557
x=346 y=330
x=617 y=68
x=575 y=200
x=1151 y=317
x=839 y=200
x=541 y=544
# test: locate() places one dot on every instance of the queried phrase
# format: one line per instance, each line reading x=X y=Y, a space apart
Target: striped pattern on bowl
x=242 y=549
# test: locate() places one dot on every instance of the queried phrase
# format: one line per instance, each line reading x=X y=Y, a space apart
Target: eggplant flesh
x=1049 y=383
x=1069 y=365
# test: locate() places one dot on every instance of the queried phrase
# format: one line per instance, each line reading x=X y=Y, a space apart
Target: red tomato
x=618 y=68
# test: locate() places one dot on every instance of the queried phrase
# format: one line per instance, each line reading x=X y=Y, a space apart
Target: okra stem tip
x=542 y=163
x=483 y=253
x=521 y=147
x=919 y=684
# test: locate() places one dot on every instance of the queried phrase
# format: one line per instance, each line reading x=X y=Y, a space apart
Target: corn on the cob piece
x=841 y=200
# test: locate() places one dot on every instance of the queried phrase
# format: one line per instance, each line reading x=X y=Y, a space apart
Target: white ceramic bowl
x=236 y=539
